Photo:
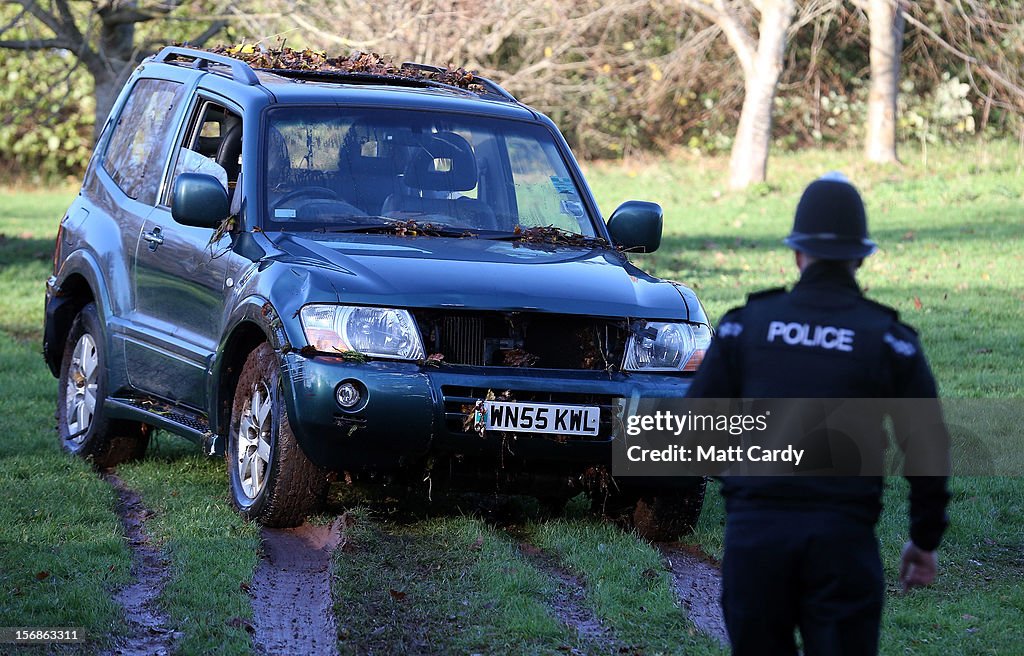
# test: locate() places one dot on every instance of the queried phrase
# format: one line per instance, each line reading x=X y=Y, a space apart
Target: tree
x=761 y=62
x=886 y=23
x=101 y=36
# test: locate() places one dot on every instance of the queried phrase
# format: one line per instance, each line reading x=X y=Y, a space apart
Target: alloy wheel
x=80 y=391
x=253 y=454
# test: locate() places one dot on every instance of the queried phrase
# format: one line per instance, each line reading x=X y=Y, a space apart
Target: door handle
x=155 y=238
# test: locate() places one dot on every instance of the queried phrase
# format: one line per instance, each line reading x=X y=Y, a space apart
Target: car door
x=180 y=271
x=125 y=190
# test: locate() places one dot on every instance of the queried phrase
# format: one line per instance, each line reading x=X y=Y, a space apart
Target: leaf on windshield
x=557 y=236
x=410 y=228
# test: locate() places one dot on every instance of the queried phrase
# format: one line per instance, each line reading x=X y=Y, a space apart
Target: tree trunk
x=108 y=85
x=115 y=63
x=749 y=160
x=886 y=24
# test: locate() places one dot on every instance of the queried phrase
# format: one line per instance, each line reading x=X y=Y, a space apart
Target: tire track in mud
x=569 y=601
x=697 y=582
x=149 y=633
x=291 y=590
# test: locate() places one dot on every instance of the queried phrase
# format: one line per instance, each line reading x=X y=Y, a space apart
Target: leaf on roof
x=365 y=63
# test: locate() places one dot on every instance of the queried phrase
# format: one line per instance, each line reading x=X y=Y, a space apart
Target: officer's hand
x=917 y=567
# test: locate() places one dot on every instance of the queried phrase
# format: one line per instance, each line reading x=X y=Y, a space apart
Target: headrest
x=443 y=162
x=372 y=148
x=278 y=164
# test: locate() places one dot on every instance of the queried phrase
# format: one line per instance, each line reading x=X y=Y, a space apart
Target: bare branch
x=40 y=14
x=968 y=59
x=208 y=33
x=36 y=44
x=117 y=14
x=739 y=37
x=14 y=21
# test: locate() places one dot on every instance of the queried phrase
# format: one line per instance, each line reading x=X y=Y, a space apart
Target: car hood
x=484 y=274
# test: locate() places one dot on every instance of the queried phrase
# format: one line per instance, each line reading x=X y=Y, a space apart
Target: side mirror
x=636 y=226
x=199 y=200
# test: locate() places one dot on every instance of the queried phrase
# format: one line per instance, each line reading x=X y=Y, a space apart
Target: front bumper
x=412 y=412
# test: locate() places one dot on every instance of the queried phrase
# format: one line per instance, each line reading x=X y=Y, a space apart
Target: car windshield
x=334 y=169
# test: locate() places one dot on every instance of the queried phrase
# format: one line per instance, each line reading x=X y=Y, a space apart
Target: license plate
x=542 y=418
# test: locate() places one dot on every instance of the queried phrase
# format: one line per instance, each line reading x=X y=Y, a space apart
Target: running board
x=187 y=423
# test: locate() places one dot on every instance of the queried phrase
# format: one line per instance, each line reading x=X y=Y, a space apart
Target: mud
x=569 y=603
x=148 y=631
x=291 y=591
x=698 y=584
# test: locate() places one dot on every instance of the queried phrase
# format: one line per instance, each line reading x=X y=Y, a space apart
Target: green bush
x=46 y=116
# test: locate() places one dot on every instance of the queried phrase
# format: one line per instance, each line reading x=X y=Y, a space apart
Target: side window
x=545 y=194
x=212 y=145
x=138 y=146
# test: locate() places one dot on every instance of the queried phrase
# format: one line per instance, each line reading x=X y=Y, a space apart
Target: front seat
x=369 y=161
x=230 y=150
x=442 y=166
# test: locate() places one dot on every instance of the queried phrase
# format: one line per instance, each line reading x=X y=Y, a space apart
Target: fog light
x=348 y=394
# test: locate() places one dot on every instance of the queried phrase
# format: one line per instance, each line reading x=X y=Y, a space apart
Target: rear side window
x=138 y=146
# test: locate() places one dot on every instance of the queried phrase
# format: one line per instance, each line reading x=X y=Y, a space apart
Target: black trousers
x=818 y=571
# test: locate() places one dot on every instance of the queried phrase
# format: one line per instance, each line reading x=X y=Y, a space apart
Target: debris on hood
x=434 y=360
x=410 y=228
x=351 y=356
x=557 y=236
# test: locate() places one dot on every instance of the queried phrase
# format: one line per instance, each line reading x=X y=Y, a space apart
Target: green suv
x=393 y=272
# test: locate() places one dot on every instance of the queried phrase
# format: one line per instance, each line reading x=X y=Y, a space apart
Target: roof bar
x=422 y=67
x=240 y=71
x=490 y=85
x=494 y=87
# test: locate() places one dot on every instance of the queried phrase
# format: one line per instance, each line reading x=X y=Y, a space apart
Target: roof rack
x=240 y=71
x=244 y=73
x=487 y=84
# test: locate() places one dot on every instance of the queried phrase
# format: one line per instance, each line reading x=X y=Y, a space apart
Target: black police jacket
x=823 y=339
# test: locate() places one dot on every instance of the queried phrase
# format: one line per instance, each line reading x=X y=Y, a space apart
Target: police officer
x=800 y=551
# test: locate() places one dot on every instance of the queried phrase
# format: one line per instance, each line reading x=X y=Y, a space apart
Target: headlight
x=379 y=332
x=664 y=346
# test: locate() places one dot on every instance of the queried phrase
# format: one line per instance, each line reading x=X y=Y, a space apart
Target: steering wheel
x=311 y=192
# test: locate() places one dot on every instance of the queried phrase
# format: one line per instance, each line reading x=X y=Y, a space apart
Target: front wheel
x=271 y=479
x=82 y=425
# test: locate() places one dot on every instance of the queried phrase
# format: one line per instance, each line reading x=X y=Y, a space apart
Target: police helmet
x=830 y=222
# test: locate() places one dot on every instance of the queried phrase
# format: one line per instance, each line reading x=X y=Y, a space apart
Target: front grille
x=459 y=401
x=462 y=339
x=523 y=339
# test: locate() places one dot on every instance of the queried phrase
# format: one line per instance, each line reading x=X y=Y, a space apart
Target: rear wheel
x=656 y=515
x=82 y=425
x=271 y=479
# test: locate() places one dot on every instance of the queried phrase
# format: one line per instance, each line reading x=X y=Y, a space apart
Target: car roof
x=408 y=89
x=398 y=94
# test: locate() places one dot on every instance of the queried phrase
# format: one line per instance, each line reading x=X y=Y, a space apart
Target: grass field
x=951 y=240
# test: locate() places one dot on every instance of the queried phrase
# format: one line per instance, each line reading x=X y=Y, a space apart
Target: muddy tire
x=82 y=425
x=655 y=515
x=271 y=479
